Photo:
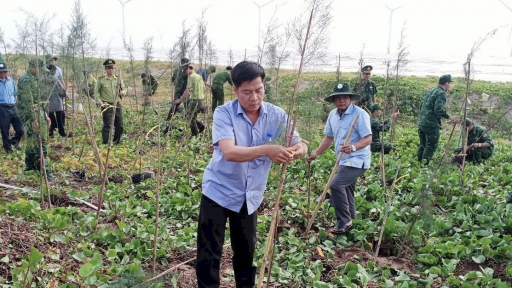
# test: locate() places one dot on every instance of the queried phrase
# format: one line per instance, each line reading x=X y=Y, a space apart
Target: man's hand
x=176 y=102
x=455 y=119
x=278 y=154
x=395 y=115
x=48 y=120
x=35 y=126
x=99 y=103
x=347 y=149
x=312 y=157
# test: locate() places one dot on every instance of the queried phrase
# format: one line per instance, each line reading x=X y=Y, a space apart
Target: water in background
x=497 y=69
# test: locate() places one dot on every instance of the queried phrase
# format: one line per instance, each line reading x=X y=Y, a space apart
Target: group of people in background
x=242 y=131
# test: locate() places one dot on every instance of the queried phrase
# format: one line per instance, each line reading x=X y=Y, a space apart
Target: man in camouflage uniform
x=149 y=84
x=480 y=145
x=179 y=80
x=193 y=97
x=429 y=122
x=105 y=93
x=35 y=118
x=366 y=88
x=378 y=126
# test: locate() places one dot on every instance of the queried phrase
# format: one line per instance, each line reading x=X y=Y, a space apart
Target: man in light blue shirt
x=8 y=112
x=356 y=155
x=247 y=134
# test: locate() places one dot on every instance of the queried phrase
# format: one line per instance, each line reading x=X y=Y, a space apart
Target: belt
x=7 y=105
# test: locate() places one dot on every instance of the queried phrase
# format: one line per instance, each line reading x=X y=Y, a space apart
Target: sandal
x=344 y=230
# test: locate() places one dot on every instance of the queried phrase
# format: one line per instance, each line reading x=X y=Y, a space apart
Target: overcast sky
x=434 y=27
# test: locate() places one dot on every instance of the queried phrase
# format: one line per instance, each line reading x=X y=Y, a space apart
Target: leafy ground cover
x=462 y=237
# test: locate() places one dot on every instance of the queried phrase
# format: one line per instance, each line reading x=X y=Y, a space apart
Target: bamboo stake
x=275 y=215
x=158 y=191
x=387 y=211
x=333 y=172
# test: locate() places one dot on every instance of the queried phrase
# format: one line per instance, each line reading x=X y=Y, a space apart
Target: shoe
x=343 y=230
x=70 y=135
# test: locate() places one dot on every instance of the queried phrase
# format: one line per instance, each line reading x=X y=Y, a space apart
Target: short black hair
x=229 y=68
x=51 y=67
x=246 y=71
x=142 y=75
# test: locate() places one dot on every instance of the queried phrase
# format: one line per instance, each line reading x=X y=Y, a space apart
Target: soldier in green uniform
x=32 y=113
x=366 y=88
x=480 y=145
x=179 y=80
x=105 y=92
x=218 y=81
x=90 y=84
x=193 y=98
x=378 y=126
x=149 y=84
x=429 y=121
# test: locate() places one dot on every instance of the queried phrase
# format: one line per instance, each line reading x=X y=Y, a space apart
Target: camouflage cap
x=367 y=69
x=445 y=78
x=468 y=122
x=212 y=69
x=3 y=65
x=39 y=62
x=375 y=107
x=49 y=57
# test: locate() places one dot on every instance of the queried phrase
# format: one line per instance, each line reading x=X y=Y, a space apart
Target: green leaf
x=86 y=270
x=111 y=253
x=79 y=256
x=35 y=257
x=5 y=259
x=403 y=277
x=479 y=259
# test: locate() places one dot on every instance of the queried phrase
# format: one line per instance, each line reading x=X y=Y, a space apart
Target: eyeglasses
x=110 y=67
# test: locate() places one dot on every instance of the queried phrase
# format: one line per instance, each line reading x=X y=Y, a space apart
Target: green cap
x=49 y=57
x=375 y=107
x=367 y=69
x=468 y=122
x=3 y=65
x=212 y=69
x=41 y=64
x=445 y=78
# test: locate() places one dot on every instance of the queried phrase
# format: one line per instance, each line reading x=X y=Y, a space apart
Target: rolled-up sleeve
x=222 y=125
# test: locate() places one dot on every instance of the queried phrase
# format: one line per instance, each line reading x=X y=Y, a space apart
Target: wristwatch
x=479 y=145
x=353 y=148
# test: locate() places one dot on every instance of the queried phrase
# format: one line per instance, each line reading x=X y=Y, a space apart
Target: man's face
x=110 y=70
x=342 y=102
x=470 y=128
x=145 y=78
x=377 y=113
x=187 y=71
x=366 y=76
x=250 y=94
x=52 y=72
x=52 y=62
x=446 y=86
x=3 y=75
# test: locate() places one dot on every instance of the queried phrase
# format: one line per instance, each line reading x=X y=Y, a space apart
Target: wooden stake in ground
x=387 y=211
x=333 y=172
x=158 y=190
x=269 y=244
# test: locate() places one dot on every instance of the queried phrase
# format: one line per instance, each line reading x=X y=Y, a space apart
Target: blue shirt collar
x=240 y=109
x=349 y=110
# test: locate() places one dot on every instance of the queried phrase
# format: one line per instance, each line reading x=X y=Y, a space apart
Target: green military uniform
x=429 y=121
x=267 y=85
x=179 y=80
x=477 y=135
x=149 y=85
x=88 y=88
x=105 y=91
x=218 y=81
x=377 y=127
x=194 y=102
x=367 y=90
x=31 y=109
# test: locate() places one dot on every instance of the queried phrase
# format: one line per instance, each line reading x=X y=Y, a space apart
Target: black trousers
x=210 y=239
x=8 y=116
x=57 y=121
x=118 y=124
